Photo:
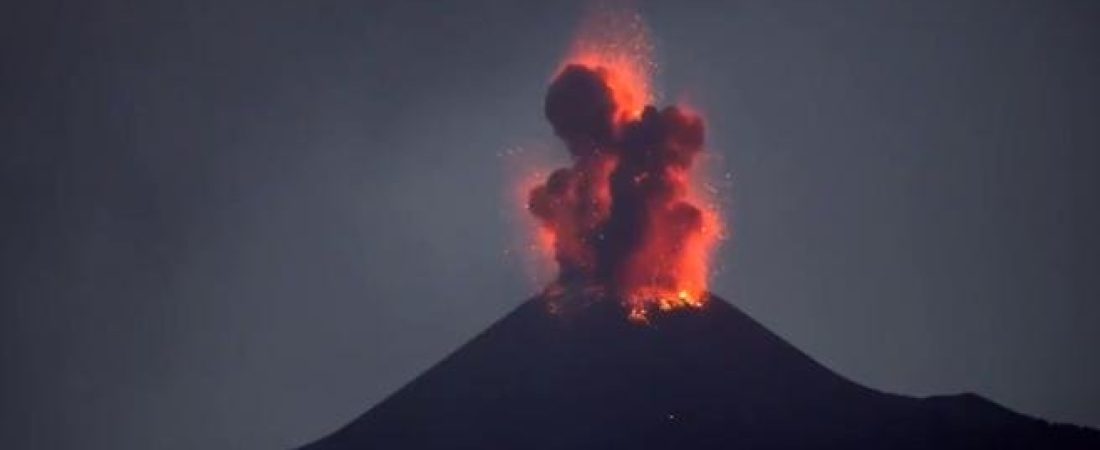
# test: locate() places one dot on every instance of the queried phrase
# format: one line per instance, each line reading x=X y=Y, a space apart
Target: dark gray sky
x=241 y=226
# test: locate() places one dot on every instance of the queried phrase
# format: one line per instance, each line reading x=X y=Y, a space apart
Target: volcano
x=626 y=349
x=689 y=378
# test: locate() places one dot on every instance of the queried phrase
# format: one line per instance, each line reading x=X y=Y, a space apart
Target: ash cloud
x=621 y=214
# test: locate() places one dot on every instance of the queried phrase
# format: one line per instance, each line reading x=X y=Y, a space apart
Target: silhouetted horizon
x=580 y=375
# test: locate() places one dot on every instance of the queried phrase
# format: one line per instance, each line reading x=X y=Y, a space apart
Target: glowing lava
x=624 y=219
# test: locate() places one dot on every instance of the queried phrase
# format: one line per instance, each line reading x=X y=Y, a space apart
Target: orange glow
x=618 y=46
x=531 y=245
x=661 y=261
x=672 y=270
x=625 y=77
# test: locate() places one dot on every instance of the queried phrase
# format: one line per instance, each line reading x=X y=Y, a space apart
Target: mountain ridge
x=707 y=378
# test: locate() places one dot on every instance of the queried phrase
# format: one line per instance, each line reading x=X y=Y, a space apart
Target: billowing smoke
x=623 y=217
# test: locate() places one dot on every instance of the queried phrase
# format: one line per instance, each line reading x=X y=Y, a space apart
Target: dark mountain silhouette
x=692 y=379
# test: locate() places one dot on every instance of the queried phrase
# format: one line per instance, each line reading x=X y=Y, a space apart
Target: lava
x=624 y=219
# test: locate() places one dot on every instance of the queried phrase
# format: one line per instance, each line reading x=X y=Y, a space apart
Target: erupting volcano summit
x=624 y=219
x=627 y=228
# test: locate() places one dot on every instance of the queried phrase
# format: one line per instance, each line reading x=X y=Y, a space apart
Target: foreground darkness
x=692 y=379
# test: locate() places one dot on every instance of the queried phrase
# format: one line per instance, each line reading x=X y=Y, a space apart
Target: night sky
x=240 y=226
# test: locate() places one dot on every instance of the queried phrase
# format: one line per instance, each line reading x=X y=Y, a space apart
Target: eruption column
x=623 y=217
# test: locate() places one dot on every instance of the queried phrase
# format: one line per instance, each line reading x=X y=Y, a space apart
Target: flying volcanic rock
x=624 y=218
x=568 y=371
x=699 y=378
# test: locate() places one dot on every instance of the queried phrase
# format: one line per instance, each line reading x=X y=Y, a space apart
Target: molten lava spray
x=623 y=219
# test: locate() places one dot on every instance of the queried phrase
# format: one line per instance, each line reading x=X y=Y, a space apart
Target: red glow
x=625 y=77
x=618 y=45
x=644 y=170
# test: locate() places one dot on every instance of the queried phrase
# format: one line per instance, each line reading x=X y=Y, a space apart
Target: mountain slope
x=692 y=379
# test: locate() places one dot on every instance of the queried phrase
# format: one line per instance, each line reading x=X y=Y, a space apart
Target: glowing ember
x=624 y=218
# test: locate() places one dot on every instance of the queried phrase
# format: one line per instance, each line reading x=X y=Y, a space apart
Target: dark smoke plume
x=621 y=215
